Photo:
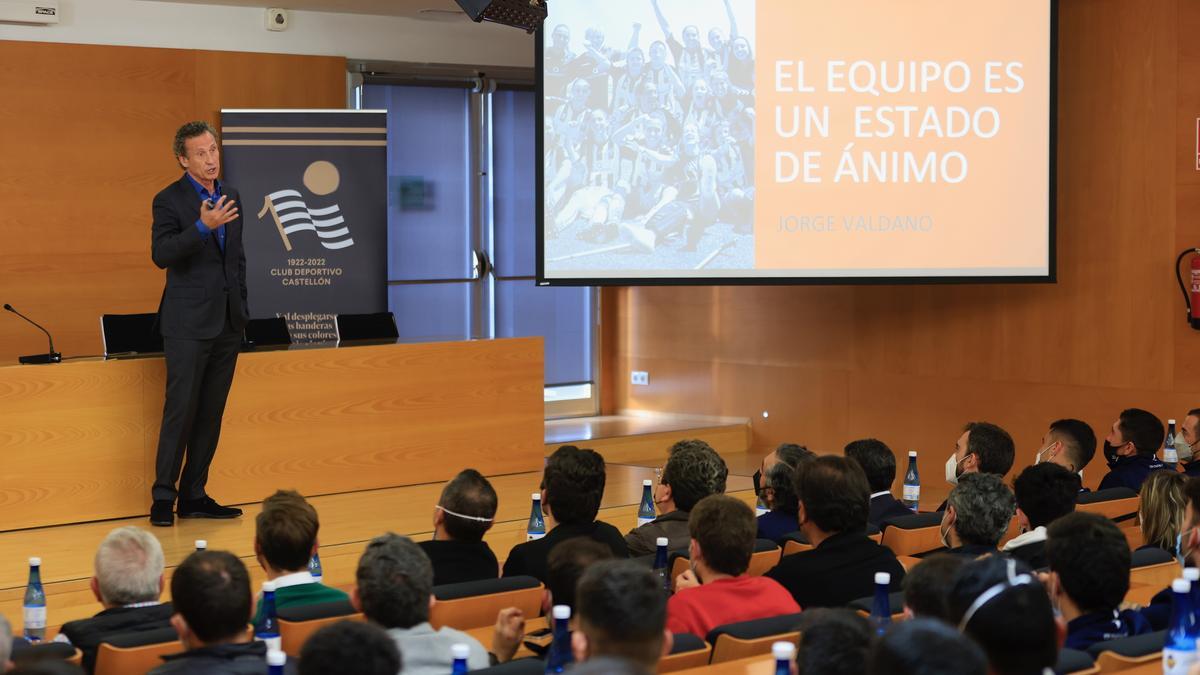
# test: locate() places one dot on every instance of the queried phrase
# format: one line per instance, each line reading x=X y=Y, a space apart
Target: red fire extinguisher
x=1191 y=297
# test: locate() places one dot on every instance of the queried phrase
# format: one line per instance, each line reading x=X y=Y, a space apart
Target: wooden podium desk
x=78 y=439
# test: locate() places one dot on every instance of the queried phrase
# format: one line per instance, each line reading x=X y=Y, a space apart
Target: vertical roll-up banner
x=314 y=204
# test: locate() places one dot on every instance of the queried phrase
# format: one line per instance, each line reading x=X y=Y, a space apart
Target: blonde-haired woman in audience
x=1161 y=510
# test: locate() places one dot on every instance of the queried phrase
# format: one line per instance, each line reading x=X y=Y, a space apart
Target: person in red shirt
x=717 y=590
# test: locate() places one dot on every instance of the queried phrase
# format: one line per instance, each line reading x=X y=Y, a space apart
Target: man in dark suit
x=878 y=462
x=833 y=516
x=197 y=239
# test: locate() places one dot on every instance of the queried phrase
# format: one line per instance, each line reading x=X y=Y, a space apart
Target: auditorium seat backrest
x=751 y=638
x=796 y=542
x=910 y=535
x=895 y=601
x=298 y=623
x=1118 y=504
x=687 y=651
x=1125 y=653
x=136 y=653
x=474 y=604
x=1075 y=662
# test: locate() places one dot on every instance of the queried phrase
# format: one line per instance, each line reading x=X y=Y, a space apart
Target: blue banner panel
x=314 y=192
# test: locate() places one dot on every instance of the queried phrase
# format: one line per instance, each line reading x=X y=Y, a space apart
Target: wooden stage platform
x=350 y=519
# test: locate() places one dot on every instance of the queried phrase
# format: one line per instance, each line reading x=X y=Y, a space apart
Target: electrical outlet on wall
x=639 y=377
x=277 y=19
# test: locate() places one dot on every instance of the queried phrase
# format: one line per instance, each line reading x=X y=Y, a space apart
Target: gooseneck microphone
x=52 y=357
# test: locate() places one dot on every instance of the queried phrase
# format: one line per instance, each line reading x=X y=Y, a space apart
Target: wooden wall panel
x=85 y=137
x=79 y=439
x=912 y=364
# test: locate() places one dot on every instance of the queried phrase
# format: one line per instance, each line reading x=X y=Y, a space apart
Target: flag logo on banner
x=293 y=215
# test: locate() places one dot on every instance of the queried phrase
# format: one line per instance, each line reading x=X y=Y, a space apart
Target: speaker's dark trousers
x=199 y=374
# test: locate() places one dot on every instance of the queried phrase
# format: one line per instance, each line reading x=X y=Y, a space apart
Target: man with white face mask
x=1068 y=443
x=1187 y=443
x=982 y=448
x=979 y=510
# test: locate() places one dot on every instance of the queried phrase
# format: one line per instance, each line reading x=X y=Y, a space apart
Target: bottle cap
x=561 y=612
x=276 y=658
x=661 y=541
x=537 y=496
x=1170 y=421
x=459 y=650
x=201 y=543
x=912 y=453
x=883 y=578
x=268 y=587
x=647 y=482
x=1181 y=586
x=35 y=562
x=1192 y=574
x=782 y=650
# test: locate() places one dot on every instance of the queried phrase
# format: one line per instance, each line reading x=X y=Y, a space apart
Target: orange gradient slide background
x=995 y=221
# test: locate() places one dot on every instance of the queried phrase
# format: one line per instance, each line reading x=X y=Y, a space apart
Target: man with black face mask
x=1130 y=449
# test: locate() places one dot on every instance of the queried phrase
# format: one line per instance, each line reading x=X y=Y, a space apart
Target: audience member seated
x=833 y=642
x=350 y=646
x=572 y=485
x=783 y=518
x=998 y=603
x=464 y=513
x=834 y=502
x=717 y=590
x=1187 y=443
x=211 y=593
x=568 y=561
x=285 y=539
x=927 y=586
x=395 y=591
x=878 y=462
x=693 y=471
x=1089 y=577
x=925 y=647
x=127 y=581
x=791 y=454
x=1161 y=510
x=1130 y=449
x=1044 y=493
x=982 y=448
x=1159 y=610
x=622 y=613
x=1070 y=444
x=977 y=515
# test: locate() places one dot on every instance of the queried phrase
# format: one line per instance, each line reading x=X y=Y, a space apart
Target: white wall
x=223 y=28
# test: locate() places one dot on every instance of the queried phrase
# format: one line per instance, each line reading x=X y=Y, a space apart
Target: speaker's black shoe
x=205 y=508
x=161 y=513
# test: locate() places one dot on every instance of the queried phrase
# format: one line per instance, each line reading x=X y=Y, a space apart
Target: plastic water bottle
x=1170 y=455
x=268 y=631
x=459 y=652
x=1179 y=648
x=35 y=603
x=912 y=483
x=646 y=512
x=560 y=655
x=782 y=651
x=276 y=660
x=881 y=609
x=660 y=564
x=537 y=524
x=314 y=567
x=201 y=544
